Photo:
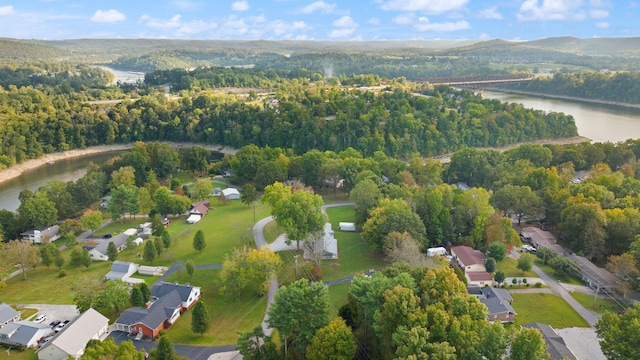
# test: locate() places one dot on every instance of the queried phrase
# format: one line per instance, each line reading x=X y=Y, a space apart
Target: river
x=66 y=170
x=599 y=123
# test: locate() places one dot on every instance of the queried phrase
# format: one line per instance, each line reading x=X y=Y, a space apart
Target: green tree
x=401 y=308
x=490 y=265
x=149 y=252
x=499 y=277
x=563 y=265
x=525 y=262
x=59 y=260
x=165 y=350
x=112 y=251
x=48 y=254
x=136 y=297
x=366 y=194
x=245 y=266
x=157 y=227
x=124 y=199
x=146 y=292
x=527 y=344
x=497 y=250
x=392 y=215
x=166 y=239
x=199 y=242
x=108 y=349
x=159 y=245
x=21 y=253
x=91 y=220
x=200 y=320
x=298 y=311
x=249 y=197
x=145 y=201
x=114 y=295
x=190 y=267
x=38 y=211
x=85 y=258
x=201 y=189
x=255 y=345
x=334 y=341
x=620 y=334
x=84 y=292
x=299 y=213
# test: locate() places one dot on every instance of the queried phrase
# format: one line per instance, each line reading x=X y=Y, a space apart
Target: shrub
x=514 y=281
x=62 y=273
x=524 y=281
x=538 y=284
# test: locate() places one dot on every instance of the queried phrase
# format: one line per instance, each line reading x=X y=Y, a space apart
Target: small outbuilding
x=346 y=226
x=231 y=193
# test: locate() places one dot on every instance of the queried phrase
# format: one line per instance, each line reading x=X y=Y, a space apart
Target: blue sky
x=319 y=19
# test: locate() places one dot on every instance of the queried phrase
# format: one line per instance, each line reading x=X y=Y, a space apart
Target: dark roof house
x=556 y=347
x=8 y=315
x=159 y=315
x=498 y=302
x=24 y=333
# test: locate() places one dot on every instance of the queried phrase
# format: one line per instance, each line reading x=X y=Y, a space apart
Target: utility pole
x=296 y=260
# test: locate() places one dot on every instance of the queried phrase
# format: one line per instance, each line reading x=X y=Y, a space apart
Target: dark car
x=54 y=323
x=107 y=236
x=66 y=322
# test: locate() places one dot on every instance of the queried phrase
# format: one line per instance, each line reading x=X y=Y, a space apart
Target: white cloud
x=109 y=16
x=427 y=6
x=374 y=21
x=602 y=25
x=345 y=21
x=341 y=33
x=599 y=13
x=6 y=10
x=551 y=10
x=286 y=30
x=320 y=6
x=424 y=25
x=490 y=13
x=172 y=23
x=404 y=19
x=242 y=5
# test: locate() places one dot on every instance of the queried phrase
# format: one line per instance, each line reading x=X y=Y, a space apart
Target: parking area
x=53 y=312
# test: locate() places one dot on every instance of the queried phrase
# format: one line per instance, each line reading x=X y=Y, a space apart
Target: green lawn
x=228 y=315
x=509 y=267
x=545 y=308
x=560 y=277
x=121 y=225
x=15 y=354
x=338 y=297
x=601 y=305
x=271 y=232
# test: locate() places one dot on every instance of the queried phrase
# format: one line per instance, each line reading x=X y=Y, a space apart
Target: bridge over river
x=476 y=80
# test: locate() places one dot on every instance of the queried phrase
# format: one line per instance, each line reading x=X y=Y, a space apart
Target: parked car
x=59 y=327
x=54 y=323
x=40 y=318
x=66 y=322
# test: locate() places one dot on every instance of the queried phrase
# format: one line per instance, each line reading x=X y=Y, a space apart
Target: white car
x=59 y=327
x=528 y=248
x=40 y=318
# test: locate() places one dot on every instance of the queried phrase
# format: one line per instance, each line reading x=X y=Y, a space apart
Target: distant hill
x=626 y=47
x=17 y=50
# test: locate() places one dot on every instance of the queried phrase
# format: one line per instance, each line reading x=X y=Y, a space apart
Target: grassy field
x=228 y=315
x=601 y=305
x=509 y=267
x=560 y=277
x=14 y=354
x=338 y=297
x=271 y=232
x=545 y=308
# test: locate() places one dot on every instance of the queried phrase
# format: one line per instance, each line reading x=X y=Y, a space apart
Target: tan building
x=73 y=338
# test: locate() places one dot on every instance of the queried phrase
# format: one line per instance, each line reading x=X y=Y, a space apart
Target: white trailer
x=436 y=251
x=347 y=226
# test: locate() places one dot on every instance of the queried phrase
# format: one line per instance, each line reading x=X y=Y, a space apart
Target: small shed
x=347 y=226
x=138 y=241
x=231 y=193
x=151 y=270
x=193 y=218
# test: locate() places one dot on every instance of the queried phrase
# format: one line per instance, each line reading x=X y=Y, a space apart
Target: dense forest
x=301 y=115
x=623 y=87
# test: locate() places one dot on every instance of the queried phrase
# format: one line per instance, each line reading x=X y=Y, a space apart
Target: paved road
x=53 y=312
x=559 y=290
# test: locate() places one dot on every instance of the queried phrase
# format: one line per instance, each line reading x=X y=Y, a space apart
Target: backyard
x=547 y=309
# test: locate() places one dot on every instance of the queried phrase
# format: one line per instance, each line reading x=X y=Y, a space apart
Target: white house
x=121 y=270
x=8 y=315
x=99 y=252
x=73 y=338
x=145 y=229
x=231 y=193
x=42 y=235
x=188 y=294
x=24 y=333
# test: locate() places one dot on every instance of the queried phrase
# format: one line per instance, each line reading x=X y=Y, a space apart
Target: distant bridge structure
x=476 y=80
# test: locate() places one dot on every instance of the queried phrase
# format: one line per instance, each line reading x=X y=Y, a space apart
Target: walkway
x=558 y=289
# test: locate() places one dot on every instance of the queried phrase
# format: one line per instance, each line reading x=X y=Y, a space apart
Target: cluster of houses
x=68 y=342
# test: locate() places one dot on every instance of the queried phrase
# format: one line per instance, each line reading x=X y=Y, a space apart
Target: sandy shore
x=17 y=170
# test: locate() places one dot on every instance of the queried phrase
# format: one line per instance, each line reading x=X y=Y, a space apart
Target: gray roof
x=155 y=315
x=495 y=303
x=7 y=313
x=596 y=276
x=119 y=240
x=557 y=348
x=164 y=288
x=23 y=332
x=74 y=337
x=119 y=269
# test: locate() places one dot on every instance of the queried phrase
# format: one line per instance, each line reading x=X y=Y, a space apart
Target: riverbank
x=446 y=158
x=18 y=169
x=567 y=98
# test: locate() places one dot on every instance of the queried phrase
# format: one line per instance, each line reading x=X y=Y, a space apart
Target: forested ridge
x=621 y=87
x=301 y=115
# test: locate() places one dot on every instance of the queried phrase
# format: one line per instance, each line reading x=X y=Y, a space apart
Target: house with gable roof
x=42 y=235
x=73 y=338
x=498 y=301
x=99 y=252
x=471 y=261
x=24 y=333
x=8 y=315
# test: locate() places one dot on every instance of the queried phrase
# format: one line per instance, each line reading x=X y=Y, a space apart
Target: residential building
x=8 y=315
x=197 y=211
x=188 y=294
x=498 y=302
x=73 y=338
x=24 y=333
x=556 y=347
x=122 y=271
x=42 y=235
x=480 y=278
x=468 y=258
x=99 y=252
x=231 y=193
